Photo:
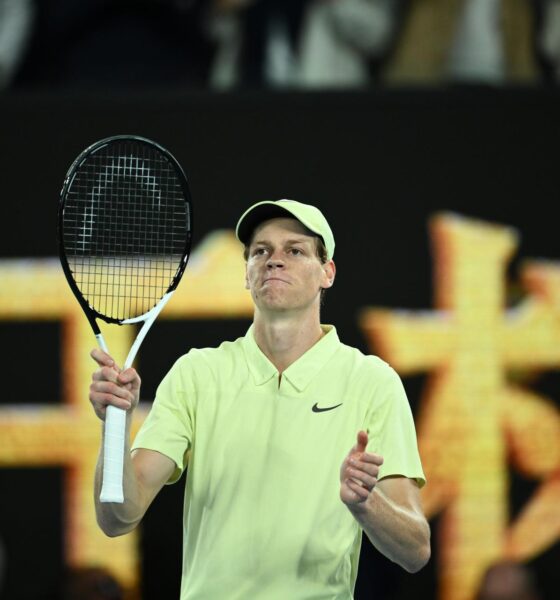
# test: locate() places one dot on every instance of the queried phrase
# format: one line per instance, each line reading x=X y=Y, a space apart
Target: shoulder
x=367 y=365
x=209 y=359
x=227 y=350
x=370 y=378
x=204 y=368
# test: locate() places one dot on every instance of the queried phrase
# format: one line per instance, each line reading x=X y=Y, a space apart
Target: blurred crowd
x=227 y=44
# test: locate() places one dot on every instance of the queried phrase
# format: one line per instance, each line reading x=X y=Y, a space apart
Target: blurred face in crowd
x=508 y=581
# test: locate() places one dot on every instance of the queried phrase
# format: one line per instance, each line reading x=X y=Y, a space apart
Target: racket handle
x=113 y=455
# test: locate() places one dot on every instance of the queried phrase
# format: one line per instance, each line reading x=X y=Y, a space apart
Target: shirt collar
x=261 y=368
x=303 y=370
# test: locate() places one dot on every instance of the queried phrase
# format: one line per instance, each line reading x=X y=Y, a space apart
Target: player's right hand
x=111 y=386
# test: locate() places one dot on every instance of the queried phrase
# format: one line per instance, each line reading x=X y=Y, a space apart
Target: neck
x=284 y=339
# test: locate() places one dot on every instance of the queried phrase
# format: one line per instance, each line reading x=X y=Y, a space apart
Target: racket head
x=124 y=227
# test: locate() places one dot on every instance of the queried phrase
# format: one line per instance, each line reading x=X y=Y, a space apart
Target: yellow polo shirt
x=262 y=514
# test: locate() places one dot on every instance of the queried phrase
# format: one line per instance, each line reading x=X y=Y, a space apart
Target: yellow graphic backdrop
x=68 y=435
x=473 y=421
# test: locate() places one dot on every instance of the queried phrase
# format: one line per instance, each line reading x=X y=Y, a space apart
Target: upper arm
x=152 y=470
x=391 y=429
x=404 y=492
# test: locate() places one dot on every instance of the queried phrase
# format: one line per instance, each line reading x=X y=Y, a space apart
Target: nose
x=274 y=262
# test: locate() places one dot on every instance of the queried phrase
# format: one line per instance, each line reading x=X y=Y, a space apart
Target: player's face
x=283 y=269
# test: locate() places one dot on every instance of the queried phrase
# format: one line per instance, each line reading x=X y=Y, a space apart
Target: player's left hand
x=358 y=473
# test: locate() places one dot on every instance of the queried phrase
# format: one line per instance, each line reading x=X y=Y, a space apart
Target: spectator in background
x=479 y=52
x=477 y=49
x=312 y=43
x=489 y=42
x=508 y=581
x=104 y=44
x=90 y=583
x=548 y=38
x=16 y=19
x=257 y=42
x=344 y=44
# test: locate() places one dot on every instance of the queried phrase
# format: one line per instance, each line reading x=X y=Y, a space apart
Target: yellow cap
x=308 y=215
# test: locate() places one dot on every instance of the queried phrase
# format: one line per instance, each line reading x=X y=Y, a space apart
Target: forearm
x=401 y=534
x=113 y=518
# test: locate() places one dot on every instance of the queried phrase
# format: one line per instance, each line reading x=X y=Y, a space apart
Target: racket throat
x=101 y=342
x=148 y=319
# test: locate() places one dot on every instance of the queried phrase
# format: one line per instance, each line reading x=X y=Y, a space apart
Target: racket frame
x=91 y=313
x=115 y=419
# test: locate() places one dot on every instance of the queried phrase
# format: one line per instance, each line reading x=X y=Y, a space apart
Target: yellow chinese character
x=68 y=436
x=472 y=420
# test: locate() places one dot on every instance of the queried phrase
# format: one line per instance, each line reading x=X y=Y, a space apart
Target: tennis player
x=293 y=442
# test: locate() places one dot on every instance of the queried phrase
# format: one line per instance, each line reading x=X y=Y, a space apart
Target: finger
x=360 y=492
x=370 y=458
x=103 y=397
x=130 y=376
x=106 y=374
x=102 y=358
x=107 y=387
x=368 y=468
x=100 y=410
x=362 y=440
x=362 y=478
x=364 y=473
x=100 y=399
x=359 y=448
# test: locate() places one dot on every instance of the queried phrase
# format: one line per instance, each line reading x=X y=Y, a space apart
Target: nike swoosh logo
x=316 y=409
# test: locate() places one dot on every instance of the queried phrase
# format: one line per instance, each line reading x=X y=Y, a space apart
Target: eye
x=295 y=251
x=260 y=251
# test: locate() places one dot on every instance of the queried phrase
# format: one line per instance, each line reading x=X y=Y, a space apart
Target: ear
x=246 y=278
x=329 y=270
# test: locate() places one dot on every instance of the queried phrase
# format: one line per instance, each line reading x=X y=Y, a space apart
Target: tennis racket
x=124 y=233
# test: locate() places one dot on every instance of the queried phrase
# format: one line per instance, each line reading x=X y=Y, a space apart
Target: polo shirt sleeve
x=392 y=433
x=169 y=426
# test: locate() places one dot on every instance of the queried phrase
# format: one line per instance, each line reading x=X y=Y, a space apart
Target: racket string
x=125 y=228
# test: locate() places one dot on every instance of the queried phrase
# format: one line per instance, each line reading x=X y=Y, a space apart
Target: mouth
x=274 y=279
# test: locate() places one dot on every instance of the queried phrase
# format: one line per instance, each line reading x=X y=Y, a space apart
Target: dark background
x=378 y=163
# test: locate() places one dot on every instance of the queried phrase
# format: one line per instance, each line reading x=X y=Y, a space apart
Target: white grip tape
x=113 y=455
x=115 y=418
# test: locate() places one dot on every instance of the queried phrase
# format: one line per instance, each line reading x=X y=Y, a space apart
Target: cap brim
x=256 y=216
